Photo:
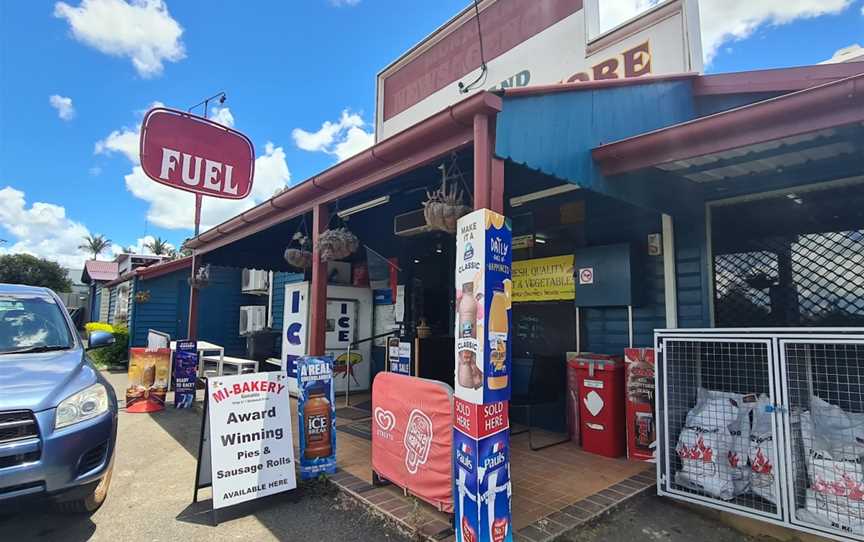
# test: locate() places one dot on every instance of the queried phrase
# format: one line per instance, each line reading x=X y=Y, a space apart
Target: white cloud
x=63 y=105
x=95 y=171
x=141 y=30
x=725 y=21
x=223 y=116
x=42 y=230
x=343 y=138
x=123 y=141
x=140 y=246
x=342 y=3
x=174 y=209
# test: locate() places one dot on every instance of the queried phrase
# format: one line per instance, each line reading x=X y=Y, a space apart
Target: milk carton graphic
x=483 y=302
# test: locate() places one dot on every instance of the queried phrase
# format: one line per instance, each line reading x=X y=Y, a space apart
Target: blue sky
x=68 y=167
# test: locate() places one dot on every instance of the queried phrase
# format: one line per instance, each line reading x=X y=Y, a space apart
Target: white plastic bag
x=761 y=451
x=834 y=448
x=713 y=447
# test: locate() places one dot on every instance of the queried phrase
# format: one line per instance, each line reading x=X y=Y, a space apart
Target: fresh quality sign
x=544 y=279
x=251 y=448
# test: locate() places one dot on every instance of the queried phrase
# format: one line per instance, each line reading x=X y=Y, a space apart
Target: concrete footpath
x=151 y=498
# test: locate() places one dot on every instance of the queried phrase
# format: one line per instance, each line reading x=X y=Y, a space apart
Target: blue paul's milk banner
x=481 y=425
x=317 y=411
x=185 y=373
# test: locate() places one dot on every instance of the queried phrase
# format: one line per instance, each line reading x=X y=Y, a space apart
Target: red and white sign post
x=194 y=154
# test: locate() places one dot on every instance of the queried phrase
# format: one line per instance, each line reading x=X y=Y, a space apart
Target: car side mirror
x=99 y=339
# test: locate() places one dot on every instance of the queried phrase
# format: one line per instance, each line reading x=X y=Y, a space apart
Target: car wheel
x=92 y=502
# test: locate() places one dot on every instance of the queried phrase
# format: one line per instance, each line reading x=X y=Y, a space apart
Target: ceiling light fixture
x=363 y=206
x=554 y=191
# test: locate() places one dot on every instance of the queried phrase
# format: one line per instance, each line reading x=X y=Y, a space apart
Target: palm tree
x=159 y=247
x=95 y=244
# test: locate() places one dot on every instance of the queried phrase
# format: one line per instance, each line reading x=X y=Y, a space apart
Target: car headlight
x=86 y=404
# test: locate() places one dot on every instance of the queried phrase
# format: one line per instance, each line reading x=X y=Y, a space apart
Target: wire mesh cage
x=825 y=402
x=720 y=438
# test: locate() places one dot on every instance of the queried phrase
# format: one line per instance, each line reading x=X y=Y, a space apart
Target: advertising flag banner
x=295 y=329
x=481 y=425
x=148 y=379
x=412 y=436
x=316 y=408
x=185 y=373
x=251 y=448
x=483 y=301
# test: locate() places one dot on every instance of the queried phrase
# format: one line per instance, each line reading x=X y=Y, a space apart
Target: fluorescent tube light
x=554 y=191
x=364 y=206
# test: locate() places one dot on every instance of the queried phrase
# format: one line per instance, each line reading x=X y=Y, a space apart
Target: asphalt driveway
x=151 y=498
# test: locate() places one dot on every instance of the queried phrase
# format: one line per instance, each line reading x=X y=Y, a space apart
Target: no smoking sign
x=586 y=275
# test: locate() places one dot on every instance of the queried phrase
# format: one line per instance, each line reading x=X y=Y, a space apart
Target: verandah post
x=318 y=288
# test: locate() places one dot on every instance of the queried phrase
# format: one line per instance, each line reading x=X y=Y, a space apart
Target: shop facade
x=650 y=199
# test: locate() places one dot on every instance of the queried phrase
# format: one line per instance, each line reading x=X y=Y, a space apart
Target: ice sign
x=418 y=440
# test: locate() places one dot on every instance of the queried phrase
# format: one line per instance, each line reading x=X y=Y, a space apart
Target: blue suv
x=58 y=414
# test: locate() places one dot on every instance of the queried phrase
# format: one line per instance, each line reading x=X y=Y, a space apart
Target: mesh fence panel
x=712 y=389
x=826 y=428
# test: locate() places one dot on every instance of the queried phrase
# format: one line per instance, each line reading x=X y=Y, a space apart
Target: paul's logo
x=463 y=456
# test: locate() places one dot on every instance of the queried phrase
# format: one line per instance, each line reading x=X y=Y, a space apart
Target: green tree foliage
x=33 y=271
x=159 y=247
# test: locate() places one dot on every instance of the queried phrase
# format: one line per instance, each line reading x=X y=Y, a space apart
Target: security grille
x=767 y=423
x=791 y=260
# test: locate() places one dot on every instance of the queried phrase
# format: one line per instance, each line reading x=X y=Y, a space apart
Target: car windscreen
x=30 y=322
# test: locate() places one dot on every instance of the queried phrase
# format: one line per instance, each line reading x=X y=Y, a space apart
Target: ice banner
x=317 y=412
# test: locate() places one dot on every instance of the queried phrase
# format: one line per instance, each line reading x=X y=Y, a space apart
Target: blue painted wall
x=605 y=329
x=218 y=308
x=96 y=300
x=280 y=279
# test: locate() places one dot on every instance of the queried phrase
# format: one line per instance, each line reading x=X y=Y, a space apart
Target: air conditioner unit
x=252 y=318
x=254 y=281
x=410 y=224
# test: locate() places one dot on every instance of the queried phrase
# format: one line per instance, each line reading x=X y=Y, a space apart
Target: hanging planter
x=298 y=254
x=444 y=206
x=142 y=297
x=201 y=279
x=336 y=244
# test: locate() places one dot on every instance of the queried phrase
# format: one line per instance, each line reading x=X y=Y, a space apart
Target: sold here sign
x=195 y=154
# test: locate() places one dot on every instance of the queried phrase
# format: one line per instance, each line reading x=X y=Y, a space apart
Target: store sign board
x=148 y=379
x=195 y=154
x=251 y=447
x=534 y=43
x=481 y=437
x=316 y=409
x=295 y=326
x=483 y=302
x=185 y=373
x=544 y=279
x=412 y=436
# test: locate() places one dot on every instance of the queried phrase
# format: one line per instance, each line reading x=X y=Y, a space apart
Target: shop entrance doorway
x=794 y=258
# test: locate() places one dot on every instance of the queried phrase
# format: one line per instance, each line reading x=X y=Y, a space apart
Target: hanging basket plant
x=444 y=206
x=336 y=244
x=142 y=297
x=299 y=252
x=201 y=279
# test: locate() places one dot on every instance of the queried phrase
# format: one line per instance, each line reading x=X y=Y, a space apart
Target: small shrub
x=90 y=327
x=116 y=353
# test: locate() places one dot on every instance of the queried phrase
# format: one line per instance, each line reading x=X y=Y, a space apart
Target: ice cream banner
x=483 y=300
x=148 y=379
x=316 y=408
x=481 y=472
x=185 y=373
x=251 y=448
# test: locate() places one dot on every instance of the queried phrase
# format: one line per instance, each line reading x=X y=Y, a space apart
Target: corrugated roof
x=100 y=271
